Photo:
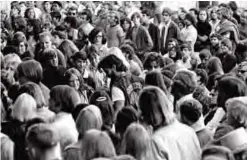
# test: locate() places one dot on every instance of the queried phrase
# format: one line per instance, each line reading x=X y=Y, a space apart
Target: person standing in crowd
x=152 y=29
x=168 y=30
x=114 y=32
x=214 y=21
x=140 y=37
x=189 y=33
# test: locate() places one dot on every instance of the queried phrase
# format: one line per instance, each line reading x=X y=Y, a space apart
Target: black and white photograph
x=123 y=80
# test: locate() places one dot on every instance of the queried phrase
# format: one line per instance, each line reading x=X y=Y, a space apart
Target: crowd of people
x=123 y=81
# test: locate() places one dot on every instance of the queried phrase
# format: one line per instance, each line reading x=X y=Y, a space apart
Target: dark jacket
x=143 y=42
x=173 y=32
x=155 y=34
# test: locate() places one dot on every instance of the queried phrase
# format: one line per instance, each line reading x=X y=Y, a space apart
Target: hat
x=235 y=140
x=42 y=135
x=227 y=43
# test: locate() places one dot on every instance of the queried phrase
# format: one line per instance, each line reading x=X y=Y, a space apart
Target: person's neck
x=214 y=20
x=167 y=22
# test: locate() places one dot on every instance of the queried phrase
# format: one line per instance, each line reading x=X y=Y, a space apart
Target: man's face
x=56 y=40
x=144 y=19
x=242 y=71
x=81 y=64
x=214 y=41
x=112 y=19
x=55 y=7
x=166 y=17
x=47 y=6
x=46 y=42
x=136 y=20
x=243 y=17
x=83 y=19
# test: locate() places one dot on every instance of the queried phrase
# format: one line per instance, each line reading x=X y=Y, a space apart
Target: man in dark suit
x=169 y=29
x=152 y=29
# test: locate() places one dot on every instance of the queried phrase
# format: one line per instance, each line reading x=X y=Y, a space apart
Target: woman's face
x=53 y=61
x=126 y=25
x=172 y=53
x=47 y=6
x=29 y=28
x=14 y=12
x=182 y=15
x=98 y=38
x=203 y=15
x=22 y=48
x=214 y=15
x=31 y=14
x=74 y=82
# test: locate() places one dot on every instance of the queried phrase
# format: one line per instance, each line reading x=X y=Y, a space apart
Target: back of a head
x=44 y=139
x=111 y=60
x=30 y=69
x=137 y=142
x=156 y=108
x=66 y=96
x=230 y=87
x=190 y=110
x=24 y=108
x=155 y=78
x=96 y=144
x=89 y=118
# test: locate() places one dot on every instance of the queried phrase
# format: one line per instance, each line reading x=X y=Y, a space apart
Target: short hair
x=203 y=74
x=217 y=151
x=156 y=108
x=148 y=12
x=35 y=91
x=7 y=148
x=66 y=96
x=12 y=59
x=184 y=81
x=42 y=136
x=153 y=56
x=136 y=14
x=191 y=109
x=110 y=60
x=71 y=20
x=24 y=108
x=96 y=144
x=167 y=10
x=137 y=142
x=89 y=118
x=31 y=69
x=88 y=13
x=92 y=35
x=19 y=37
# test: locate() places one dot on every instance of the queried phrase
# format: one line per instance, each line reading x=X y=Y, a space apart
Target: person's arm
x=118 y=99
x=121 y=36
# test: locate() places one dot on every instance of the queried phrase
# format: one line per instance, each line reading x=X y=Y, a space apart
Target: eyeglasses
x=242 y=71
x=72 y=14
